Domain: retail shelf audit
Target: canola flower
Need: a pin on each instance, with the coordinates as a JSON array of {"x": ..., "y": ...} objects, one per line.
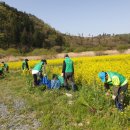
[{"x": 86, "y": 68}]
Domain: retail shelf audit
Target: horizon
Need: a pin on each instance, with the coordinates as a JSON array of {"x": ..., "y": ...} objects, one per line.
[{"x": 79, "y": 18}]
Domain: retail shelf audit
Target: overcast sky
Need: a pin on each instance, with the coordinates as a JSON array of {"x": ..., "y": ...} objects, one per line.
[{"x": 80, "y": 16}]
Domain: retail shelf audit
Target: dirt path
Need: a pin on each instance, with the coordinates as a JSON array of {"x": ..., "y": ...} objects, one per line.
[
  {"x": 15, "y": 113},
  {"x": 13, "y": 119},
  {"x": 61, "y": 55}
]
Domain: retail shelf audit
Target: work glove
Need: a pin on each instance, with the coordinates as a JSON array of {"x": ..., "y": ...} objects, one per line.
[
  {"x": 113, "y": 97},
  {"x": 62, "y": 74}
]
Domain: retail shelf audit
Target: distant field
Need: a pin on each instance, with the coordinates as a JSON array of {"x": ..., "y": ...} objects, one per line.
[
  {"x": 24, "y": 107},
  {"x": 13, "y": 55}
]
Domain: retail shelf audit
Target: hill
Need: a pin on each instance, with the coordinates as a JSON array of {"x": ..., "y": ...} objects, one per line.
[
  {"x": 97, "y": 43},
  {"x": 25, "y": 33}
]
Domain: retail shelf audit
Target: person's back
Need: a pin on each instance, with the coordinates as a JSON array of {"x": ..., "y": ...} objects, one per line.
[
  {"x": 55, "y": 82},
  {"x": 68, "y": 72},
  {"x": 37, "y": 71},
  {"x": 69, "y": 65},
  {"x": 38, "y": 66},
  {"x": 5, "y": 66},
  {"x": 61, "y": 79},
  {"x": 116, "y": 79},
  {"x": 25, "y": 65}
]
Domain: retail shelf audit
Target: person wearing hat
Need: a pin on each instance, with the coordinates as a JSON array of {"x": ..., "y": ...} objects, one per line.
[
  {"x": 117, "y": 82},
  {"x": 68, "y": 72},
  {"x": 5, "y": 66},
  {"x": 25, "y": 66},
  {"x": 37, "y": 71}
]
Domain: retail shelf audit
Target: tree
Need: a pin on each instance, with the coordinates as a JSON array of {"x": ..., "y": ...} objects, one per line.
[{"x": 37, "y": 39}]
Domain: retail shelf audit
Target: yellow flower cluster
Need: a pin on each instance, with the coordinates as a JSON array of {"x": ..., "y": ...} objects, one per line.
[{"x": 87, "y": 68}]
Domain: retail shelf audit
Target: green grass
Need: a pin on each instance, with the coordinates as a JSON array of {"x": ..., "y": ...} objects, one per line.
[{"x": 87, "y": 109}]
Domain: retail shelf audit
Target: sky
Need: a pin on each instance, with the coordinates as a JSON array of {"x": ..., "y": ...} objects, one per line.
[{"x": 76, "y": 17}]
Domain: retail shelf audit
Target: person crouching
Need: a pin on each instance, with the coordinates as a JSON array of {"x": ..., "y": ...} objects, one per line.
[{"x": 37, "y": 71}]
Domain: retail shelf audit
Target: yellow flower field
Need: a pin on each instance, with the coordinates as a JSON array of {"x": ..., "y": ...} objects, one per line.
[{"x": 87, "y": 68}]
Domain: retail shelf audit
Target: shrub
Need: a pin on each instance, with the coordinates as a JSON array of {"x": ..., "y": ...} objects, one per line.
[
  {"x": 38, "y": 52},
  {"x": 12, "y": 51}
]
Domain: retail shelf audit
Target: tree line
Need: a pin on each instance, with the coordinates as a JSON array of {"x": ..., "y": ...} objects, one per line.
[{"x": 24, "y": 31}]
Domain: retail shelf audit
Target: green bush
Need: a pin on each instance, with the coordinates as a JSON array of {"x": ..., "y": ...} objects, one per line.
[
  {"x": 38, "y": 52},
  {"x": 122, "y": 47},
  {"x": 2, "y": 53},
  {"x": 80, "y": 49},
  {"x": 12, "y": 51}
]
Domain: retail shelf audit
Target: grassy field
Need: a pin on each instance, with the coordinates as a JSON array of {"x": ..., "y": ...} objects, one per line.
[{"x": 23, "y": 107}]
